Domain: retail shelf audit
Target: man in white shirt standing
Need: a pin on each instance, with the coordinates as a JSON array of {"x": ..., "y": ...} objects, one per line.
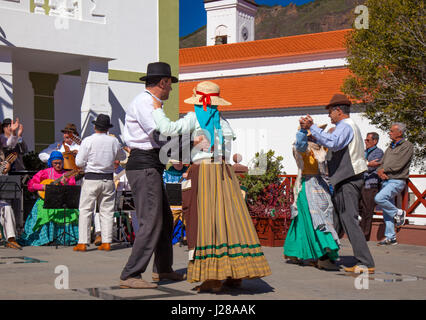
[
  {"x": 97, "y": 154},
  {"x": 144, "y": 172}
]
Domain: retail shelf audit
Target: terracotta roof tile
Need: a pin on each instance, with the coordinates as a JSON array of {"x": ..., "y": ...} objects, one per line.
[
  {"x": 287, "y": 90},
  {"x": 263, "y": 49}
]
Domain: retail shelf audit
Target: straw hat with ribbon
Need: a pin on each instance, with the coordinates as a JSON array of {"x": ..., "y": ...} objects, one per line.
[{"x": 207, "y": 93}]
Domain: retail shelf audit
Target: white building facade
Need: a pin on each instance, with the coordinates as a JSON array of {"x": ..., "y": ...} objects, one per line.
[
  {"x": 230, "y": 21},
  {"x": 65, "y": 61}
]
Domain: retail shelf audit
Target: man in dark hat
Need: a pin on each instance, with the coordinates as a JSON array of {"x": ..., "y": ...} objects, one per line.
[
  {"x": 68, "y": 142},
  {"x": 346, "y": 166},
  {"x": 144, "y": 172},
  {"x": 96, "y": 155}
]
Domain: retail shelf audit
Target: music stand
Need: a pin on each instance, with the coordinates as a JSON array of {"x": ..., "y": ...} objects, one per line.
[
  {"x": 62, "y": 197},
  {"x": 123, "y": 203}
]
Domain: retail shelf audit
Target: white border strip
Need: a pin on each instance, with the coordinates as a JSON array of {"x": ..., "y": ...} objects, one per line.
[{"x": 286, "y": 67}]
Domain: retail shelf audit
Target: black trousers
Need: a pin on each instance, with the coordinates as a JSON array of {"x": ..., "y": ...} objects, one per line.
[
  {"x": 366, "y": 210},
  {"x": 155, "y": 221},
  {"x": 346, "y": 199}
]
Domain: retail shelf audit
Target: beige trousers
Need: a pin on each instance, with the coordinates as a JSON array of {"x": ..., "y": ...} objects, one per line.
[{"x": 102, "y": 191}]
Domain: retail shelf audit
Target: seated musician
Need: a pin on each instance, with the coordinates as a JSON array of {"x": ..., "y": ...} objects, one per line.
[
  {"x": 7, "y": 216},
  {"x": 43, "y": 226},
  {"x": 68, "y": 144}
]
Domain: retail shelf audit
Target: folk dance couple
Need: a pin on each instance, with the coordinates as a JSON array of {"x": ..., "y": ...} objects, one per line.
[
  {"x": 224, "y": 247},
  {"x": 313, "y": 234}
]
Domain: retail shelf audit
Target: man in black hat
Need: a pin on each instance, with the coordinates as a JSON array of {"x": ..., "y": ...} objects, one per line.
[
  {"x": 144, "y": 172},
  {"x": 96, "y": 155},
  {"x": 346, "y": 167}
]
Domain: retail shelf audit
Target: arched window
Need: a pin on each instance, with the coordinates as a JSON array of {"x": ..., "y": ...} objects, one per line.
[{"x": 221, "y": 34}]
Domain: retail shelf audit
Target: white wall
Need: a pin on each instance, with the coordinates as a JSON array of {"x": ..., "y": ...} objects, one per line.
[
  {"x": 277, "y": 132},
  {"x": 68, "y": 97},
  {"x": 132, "y": 41},
  {"x": 121, "y": 95},
  {"x": 23, "y": 104}
]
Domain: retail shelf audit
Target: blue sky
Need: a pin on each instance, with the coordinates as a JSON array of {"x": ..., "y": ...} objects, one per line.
[{"x": 193, "y": 16}]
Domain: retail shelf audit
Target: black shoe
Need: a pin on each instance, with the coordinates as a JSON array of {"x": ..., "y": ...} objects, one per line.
[{"x": 387, "y": 242}]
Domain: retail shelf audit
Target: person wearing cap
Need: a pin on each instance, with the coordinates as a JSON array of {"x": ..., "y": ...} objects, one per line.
[
  {"x": 61, "y": 146},
  {"x": 346, "y": 166},
  {"x": 311, "y": 236},
  {"x": 222, "y": 241},
  {"x": 43, "y": 226},
  {"x": 96, "y": 155},
  {"x": 394, "y": 171},
  {"x": 11, "y": 141},
  {"x": 144, "y": 170}
]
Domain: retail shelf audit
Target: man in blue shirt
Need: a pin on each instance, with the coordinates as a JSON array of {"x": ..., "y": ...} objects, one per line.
[
  {"x": 373, "y": 155},
  {"x": 346, "y": 167}
]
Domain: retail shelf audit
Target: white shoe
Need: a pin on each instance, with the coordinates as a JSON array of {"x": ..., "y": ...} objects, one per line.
[{"x": 400, "y": 218}]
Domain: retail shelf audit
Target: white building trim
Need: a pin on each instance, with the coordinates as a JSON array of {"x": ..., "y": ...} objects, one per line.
[{"x": 279, "y": 68}]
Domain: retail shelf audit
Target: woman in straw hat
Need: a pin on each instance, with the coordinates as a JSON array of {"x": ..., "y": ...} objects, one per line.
[
  {"x": 222, "y": 240},
  {"x": 311, "y": 235}
]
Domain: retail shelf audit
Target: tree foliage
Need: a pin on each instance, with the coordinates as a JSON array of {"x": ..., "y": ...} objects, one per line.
[
  {"x": 387, "y": 63},
  {"x": 257, "y": 184}
]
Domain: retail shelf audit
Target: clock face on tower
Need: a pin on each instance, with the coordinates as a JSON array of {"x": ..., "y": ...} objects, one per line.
[{"x": 244, "y": 33}]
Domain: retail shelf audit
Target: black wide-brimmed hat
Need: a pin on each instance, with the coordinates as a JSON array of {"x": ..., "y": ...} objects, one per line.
[
  {"x": 103, "y": 122},
  {"x": 158, "y": 70}
]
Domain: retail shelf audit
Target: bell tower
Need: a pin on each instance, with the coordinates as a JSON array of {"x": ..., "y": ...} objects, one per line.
[{"x": 230, "y": 21}]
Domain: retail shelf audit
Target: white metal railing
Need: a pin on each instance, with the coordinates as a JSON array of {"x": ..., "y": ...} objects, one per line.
[{"x": 87, "y": 10}]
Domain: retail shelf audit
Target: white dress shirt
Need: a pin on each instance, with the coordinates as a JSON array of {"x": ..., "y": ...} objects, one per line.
[
  {"x": 139, "y": 124},
  {"x": 98, "y": 152},
  {"x": 58, "y": 146}
]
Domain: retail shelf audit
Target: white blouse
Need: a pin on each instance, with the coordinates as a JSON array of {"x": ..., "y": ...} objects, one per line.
[{"x": 190, "y": 125}]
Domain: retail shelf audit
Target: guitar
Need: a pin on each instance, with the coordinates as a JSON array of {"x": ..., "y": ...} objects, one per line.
[
  {"x": 75, "y": 139},
  {"x": 9, "y": 159},
  {"x": 69, "y": 156},
  {"x": 69, "y": 174}
]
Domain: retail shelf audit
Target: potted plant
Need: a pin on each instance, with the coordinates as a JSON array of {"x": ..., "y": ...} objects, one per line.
[{"x": 268, "y": 198}]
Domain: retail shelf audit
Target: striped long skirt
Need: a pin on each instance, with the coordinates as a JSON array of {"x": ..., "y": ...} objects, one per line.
[{"x": 227, "y": 243}]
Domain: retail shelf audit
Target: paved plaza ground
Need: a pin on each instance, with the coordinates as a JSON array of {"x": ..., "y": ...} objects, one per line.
[{"x": 41, "y": 272}]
